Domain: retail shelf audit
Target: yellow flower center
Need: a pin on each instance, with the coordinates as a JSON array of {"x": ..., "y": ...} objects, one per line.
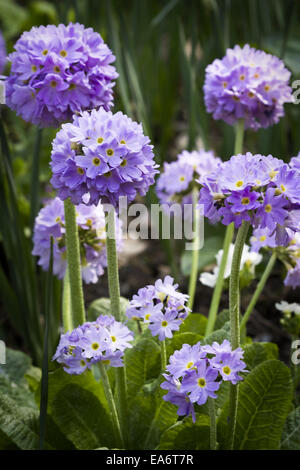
[
  {"x": 95, "y": 346},
  {"x": 147, "y": 316},
  {"x": 56, "y": 68},
  {"x": 189, "y": 365},
  {"x": 82, "y": 363},
  {"x": 273, "y": 173},
  {"x": 80, "y": 171},
  {"x": 114, "y": 339},
  {"x": 256, "y": 75},
  {"x": 124, "y": 162},
  {"x": 242, "y": 77},
  {"x": 109, "y": 152},
  {"x": 226, "y": 370},
  {"x": 225, "y": 84},
  {"x": 164, "y": 323},
  {"x": 45, "y": 52},
  {"x": 96, "y": 161},
  {"x": 100, "y": 140},
  {"x": 245, "y": 201},
  {"x": 268, "y": 208},
  {"x": 201, "y": 382},
  {"x": 58, "y": 219},
  {"x": 182, "y": 178},
  {"x": 267, "y": 87},
  {"x": 72, "y": 86},
  {"x": 122, "y": 142},
  {"x": 53, "y": 83},
  {"x": 106, "y": 362},
  {"x": 262, "y": 238},
  {"x": 34, "y": 68},
  {"x": 283, "y": 188},
  {"x": 250, "y": 94},
  {"x": 63, "y": 53},
  {"x": 239, "y": 183}
]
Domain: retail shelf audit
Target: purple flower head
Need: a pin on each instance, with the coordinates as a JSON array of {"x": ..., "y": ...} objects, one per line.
[
  {"x": 176, "y": 181},
  {"x": 92, "y": 159},
  {"x": 247, "y": 84},
  {"x": 259, "y": 189},
  {"x": 104, "y": 340},
  {"x": 229, "y": 365},
  {"x": 57, "y": 71},
  {"x": 161, "y": 306},
  {"x": 50, "y": 222}
]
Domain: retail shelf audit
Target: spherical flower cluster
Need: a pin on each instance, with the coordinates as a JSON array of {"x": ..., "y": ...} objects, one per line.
[
  {"x": 176, "y": 182},
  {"x": 249, "y": 260},
  {"x": 57, "y": 71},
  {"x": 102, "y": 340},
  {"x": 196, "y": 372},
  {"x": 101, "y": 155},
  {"x": 247, "y": 84},
  {"x": 262, "y": 190},
  {"x": 2, "y": 53},
  {"x": 160, "y": 306},
  {"x": 50, "y": 222}
]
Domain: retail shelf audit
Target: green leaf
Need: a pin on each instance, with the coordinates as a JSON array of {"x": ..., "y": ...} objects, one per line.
[
  {"x": 142, "y": 364},
  {"x": 59, "y": 379},
  {"x": 194, "y": 323},
  {"x": 222, "y": 318},
  {"x": 186, "y": 435},
  {"x": 264, "y": 403},
  {"x": 256, "y": 353},
  {"x": 180, "y": 339},
  {"x": 82, "y": 418},
  {"x": 150, "y": 416},
  {"x": 102, "y": 307},
  {"x": 291, "y": 432},
  {"x": 18, "y": 424},
  {"x": 218, "y": 335}
]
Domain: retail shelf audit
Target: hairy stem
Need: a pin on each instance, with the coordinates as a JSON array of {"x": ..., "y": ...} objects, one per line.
[
  {"x": 213, "y": 426},
  {"x": 195, "y": 252},
  {"x": 74, "y": 265},
  {"x": 234, "y": 311}
]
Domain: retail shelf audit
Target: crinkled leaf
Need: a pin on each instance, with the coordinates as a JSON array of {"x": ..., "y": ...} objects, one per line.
[
  {"x": 256, "y": 353},
  {"x": 291, "y": 432},
  {"x": 186, "y": 435},
  {"x": 102, "y": 307},
  {"x": 142, "y": 364},
  {"x": 82, "y": 418},
  {"x": 194, "y": 323}
]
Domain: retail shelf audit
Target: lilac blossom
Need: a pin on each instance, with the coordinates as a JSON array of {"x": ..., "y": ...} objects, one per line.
[
  {"x": 57, "y": 71},
  {"x": 195, "y": 373},
  {"x": 103, "y": 340},
  {"x": 162, "y": 307},
  {"x": 247, "y": 84},
  {"x": 101, "y": 156}
]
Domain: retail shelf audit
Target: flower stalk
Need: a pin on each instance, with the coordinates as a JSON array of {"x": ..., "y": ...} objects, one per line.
[
  {"x": 234, "y": 311},
  {"x": 213, "y": 425},
  {"x": 111, "y": 403},
  {"x": 114, "y": 294},
  {"x": 74, "y": 264}
]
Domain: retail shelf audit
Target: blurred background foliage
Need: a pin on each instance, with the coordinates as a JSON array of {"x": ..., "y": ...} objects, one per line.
[{"x": 162, "y": 48}]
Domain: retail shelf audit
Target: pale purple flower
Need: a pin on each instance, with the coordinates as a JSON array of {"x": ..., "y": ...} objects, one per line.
[
  {"x": 57, "y": 71},
  {"x": 247, "y": 84},
  {"x": 201, "y": 383}
]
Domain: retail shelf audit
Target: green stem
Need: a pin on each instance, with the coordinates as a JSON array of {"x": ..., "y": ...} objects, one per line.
[
  {"x": 114, "y": 294},
  {"x": 258, "y": 290},
  {"x": 239, "y": 136},
  {"x": 44, "y": 380},
  {"x": 215, "y": 302},
  {"x": 66, "y": 308},
  {"x": 213, "y": 426},
  {"x": 35, "y": 170},
  {"x": 111, "y": 403},
  {"x": 74, "y": 264},
  {"x": 163, "y": 352},
  {"x": 195, "y": 252},
  {"x": 234, "y": 311}
]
